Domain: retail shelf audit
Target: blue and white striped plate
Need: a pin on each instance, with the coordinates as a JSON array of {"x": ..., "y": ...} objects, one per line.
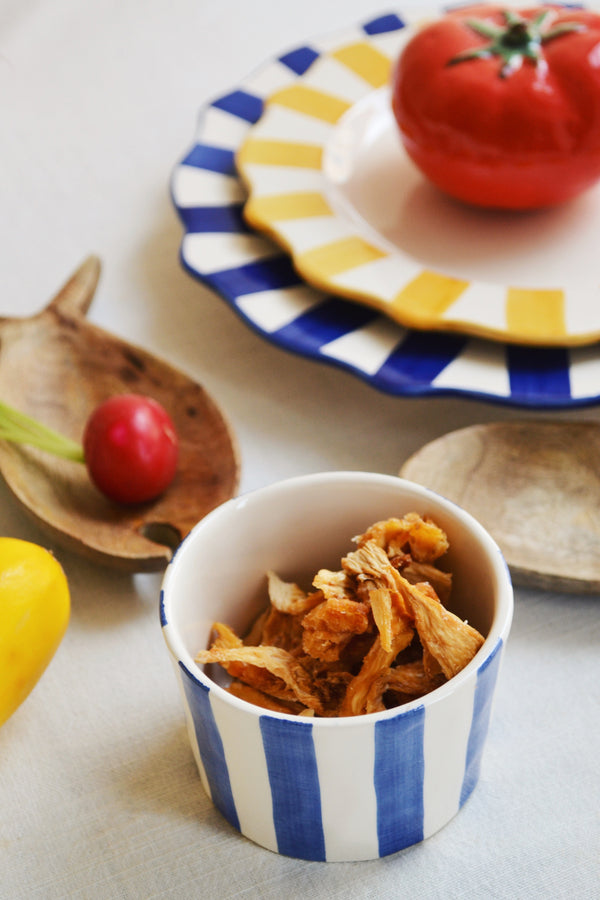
[{"x": 261, "y": 284}]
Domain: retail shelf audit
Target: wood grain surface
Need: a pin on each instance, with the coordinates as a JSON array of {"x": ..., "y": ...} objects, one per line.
[
  {"x": 56, "y": 366},
  {"x": 534, "y": 485}
]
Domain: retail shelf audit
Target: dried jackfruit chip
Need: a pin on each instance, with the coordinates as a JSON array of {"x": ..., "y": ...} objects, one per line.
[
  {"x": 416, "y": 573},
  {"x": 259, "y": 698},
  {"x": 375, "y": 663},
  {"x": 451, "y": 642},
  {"x": 389, "y": 619},
  {"x": 371, "y": 562},
  {"x": 288, "y": 597},
  {"x": 282, "y": 630},
  {"x": 422, "y": 537},
  {"x": 330, "y": 626},
  {"x": 333, "y": 585},
  {"x": 410, "y": 681},
  {"x": 277, "y": 662}
]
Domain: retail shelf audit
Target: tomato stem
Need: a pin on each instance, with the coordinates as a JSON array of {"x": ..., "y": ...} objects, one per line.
[
  {"x": 19, "y": 428},
  {"x": 516, "y": 41}
]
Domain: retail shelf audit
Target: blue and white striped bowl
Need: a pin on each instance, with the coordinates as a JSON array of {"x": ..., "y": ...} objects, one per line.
[{"x": 330, "y": 789}]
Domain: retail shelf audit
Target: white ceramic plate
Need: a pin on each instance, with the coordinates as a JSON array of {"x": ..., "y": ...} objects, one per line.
[
  {"x": 329, "y": 180},
  {"x": 257, "y": 279}
]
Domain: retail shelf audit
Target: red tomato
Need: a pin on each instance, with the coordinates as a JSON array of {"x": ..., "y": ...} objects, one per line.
[
  {"x": 130, "y": 448},
  {"x": 502, "y": 109}
]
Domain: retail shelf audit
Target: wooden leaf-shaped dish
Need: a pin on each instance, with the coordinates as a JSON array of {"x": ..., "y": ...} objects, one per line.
[
  {"x": 535, "y": 486},
  {"x": 56, "y": 367}
]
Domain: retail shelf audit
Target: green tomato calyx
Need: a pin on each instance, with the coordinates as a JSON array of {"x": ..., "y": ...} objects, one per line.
[{"x": 518, "y": 40}]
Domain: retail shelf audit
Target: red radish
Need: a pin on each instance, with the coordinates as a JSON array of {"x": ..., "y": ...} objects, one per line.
[{"x": 130, "y": 446}]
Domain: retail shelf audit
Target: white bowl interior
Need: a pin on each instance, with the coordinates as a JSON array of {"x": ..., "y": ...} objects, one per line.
[{"x": 301, "y": 525}]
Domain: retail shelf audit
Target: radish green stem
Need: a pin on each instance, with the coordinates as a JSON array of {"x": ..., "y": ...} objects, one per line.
[{"x": 19, "y": 428}]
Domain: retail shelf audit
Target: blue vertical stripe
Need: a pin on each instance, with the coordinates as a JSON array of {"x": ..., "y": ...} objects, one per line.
[
  {"x": 383, "y": 24},
  {"x": 214, "y": 159},
  {"x": 420, "y": 358},
  {"x": 162, "y": 613},
  {"x": 294, "y": 780},
  {"x": 539, "y": 372},
  {"x": 300, "y": 60},
  {"x": 210, "y": 746},
  {"x": 263, "y": 275},
  {"x": 331, "y": 319},
  {"x": 214, "y": 219},
  {"x": 242, "y": 105},
  {"x": 482, "y": 704},
  {"x": 399, "y": 775}
]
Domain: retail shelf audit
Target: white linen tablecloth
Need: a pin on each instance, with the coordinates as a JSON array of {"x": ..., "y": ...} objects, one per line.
[{"x": 99, "y": 794}]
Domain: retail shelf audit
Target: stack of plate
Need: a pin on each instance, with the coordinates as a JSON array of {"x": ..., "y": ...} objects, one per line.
[{"x": 302, "y": 211}]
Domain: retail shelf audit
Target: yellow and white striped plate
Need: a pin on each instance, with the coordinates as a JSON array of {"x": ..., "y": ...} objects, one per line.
[{"x": 328, "y": 180}]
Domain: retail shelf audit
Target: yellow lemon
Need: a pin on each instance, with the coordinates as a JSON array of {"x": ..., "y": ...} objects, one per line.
[{"x": 34, "y": 612}]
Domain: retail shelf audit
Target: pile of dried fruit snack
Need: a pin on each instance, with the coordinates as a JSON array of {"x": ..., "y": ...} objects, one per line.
[{"x": 371, "y": 636}]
